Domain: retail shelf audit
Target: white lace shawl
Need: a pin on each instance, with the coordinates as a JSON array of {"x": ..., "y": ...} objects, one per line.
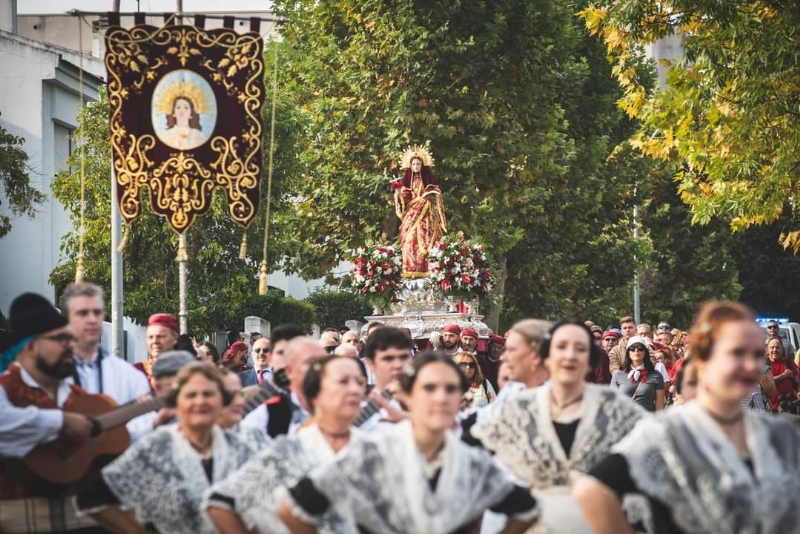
[
  {"x": 683, "y": 459},
  {"x": 523, "y": 437},
  {"x": 381, "y": 479},
  {"x": 162, "y": 478},
  {"x": 255, "y": 487}
]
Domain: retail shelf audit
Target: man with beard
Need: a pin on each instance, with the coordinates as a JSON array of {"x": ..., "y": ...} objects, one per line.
[
  {"x": 450, "y": 339},
  {"x": 97, "y": 371},
  {"x": 33, "y": 392}
]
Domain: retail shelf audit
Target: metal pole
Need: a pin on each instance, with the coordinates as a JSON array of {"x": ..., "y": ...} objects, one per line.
[
  {"x": 117, "y": 330},
  {"x": 637, "y": 315},
  {"x": 183, "y": 268},
  {"x": 116, "y": 6}
]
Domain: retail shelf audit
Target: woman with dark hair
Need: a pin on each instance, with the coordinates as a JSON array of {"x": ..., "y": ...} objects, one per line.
[
  {"x": 334, "y": 387},
  {"x": 418, "y": 204},
  {"x": 417, "y": 477},
  {"x": 549, "y": 434},
  {"x": 207, "y": 352},
  {"x": 160, "y": 479},
  {"x": 480, "y": 391},
  {"x": 710, "y": 465},
  {"x": 638, "y": 377}
]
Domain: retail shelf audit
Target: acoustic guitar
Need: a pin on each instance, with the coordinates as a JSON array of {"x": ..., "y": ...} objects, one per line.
[
  {"x": 60, "y": 462},
  {"x": 370, "y": 408}
]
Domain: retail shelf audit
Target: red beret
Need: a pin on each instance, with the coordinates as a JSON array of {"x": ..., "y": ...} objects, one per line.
[
  {"x": 235, "y": 348},
  {"x": 452, "y": 329},
  {"x": 164, "y": 319},
  {"x": 469, "y": 332},
  {"x": 500, "y": 340},
  {"x": 611, "y": 333}
]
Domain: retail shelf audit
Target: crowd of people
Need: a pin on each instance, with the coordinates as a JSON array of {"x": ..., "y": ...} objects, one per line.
[{"x": 564, "y": 427}]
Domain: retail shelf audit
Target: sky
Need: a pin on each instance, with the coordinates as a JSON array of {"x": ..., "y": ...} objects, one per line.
[{"x": 25, "y": 7}]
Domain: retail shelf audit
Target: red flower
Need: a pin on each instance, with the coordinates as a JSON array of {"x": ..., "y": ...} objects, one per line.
[
  {"x": 386, "y": 265},
  {"x": 443, "y": 246},
  {"x": 445, "y": 284},
  {"x": 466, "y": 279}
]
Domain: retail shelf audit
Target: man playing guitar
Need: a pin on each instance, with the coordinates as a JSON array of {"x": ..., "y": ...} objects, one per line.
[{"x": 33, "y": 392}]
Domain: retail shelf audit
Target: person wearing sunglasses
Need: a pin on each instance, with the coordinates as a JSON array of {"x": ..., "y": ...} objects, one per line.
[
  {"x": 262, "y": 368},
  {"x": 480, "y": 391},
  {"x": 638, "y": 377},
  {"x": 417, "y": 476}
]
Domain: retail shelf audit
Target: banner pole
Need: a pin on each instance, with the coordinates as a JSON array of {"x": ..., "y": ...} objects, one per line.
[{"x": 183, "y": 268}]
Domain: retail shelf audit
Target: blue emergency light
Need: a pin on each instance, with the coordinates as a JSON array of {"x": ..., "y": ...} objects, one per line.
[{"x": 779, "y": 320}]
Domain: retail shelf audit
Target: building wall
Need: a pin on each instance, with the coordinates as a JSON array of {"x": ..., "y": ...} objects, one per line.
[{"x": 39, "y": 95}]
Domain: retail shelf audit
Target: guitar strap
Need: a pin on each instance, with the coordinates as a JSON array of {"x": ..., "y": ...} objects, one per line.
[{"x": 77, "y": 379}]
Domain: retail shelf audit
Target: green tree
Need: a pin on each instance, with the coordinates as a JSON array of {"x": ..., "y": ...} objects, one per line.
[
  {"x": 22, "y": 198},
  {"x": 769, "y": 274},
  {"x": 729, "y": 116},
  {"x": 517, "y": 123},
  {"x": 688, "y": 264},
  {"x": 218, "y": 281}
]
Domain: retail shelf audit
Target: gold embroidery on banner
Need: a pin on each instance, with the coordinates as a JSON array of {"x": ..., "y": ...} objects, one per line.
[{"x": 181, "y": 187}]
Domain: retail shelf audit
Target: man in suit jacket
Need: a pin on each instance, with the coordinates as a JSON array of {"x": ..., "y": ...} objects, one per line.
[{"x": 262, "y": 369}]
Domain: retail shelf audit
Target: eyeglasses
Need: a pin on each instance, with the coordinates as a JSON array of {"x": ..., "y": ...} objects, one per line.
[
  {"x": 772, "y": 327},
  {"x": 467, "y": 365},
  {"x": 636, "y": 348},
  {"x": 63, "y": 339},
  {"x": 609, "y": 339},
  {"x": 262, "y": 350}
]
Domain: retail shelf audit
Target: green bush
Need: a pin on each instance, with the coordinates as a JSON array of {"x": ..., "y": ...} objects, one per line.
[
  {"x": 334, "y": 307},
  {"x": 277, "y": 309}
]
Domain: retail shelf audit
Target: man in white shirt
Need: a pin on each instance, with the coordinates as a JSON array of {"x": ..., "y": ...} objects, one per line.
[
  {"x": 96, "y": 371},
  {"x": 388, "y": 350}
]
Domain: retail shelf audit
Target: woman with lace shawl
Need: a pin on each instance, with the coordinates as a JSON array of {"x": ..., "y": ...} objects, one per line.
[
  {"x": 418, "y": 204},
  {"x": 710, "y": 465},
  {"x": 418, "y": 477},
  {"x": 549, "y": 435},
  {"x": 159, "y": 481},
  {"x": 334, "y": 388}
]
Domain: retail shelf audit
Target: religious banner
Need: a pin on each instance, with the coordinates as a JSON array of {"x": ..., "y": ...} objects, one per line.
[{"x": 185, "y": 118}]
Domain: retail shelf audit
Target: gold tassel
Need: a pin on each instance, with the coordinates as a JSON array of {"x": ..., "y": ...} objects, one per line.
[
  {"x": 79, "y": 270},
  {"x": 243, "y": 247},
  {"x": 124, "y": 241},
  {"x": 262, "y": 280}
]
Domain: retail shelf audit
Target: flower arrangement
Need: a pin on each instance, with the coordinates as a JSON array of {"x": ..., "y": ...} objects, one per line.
[
  {"x": 458, "y": 268},
  {"x": 377, "y": 273}
]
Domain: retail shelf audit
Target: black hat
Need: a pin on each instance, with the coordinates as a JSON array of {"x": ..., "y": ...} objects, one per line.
[{"x": 31, "y": 315}]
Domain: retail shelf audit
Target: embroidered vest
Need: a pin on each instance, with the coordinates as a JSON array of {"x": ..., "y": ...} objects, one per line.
[{"x": 15, "y": 481}]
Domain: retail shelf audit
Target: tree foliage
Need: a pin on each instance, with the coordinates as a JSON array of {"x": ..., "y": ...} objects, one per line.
[
  {"x": 729, "y": 115},
  {"x": 22, "y": 198},
  {"x": 518, "y": 105},
  {"x": 335, "y": 307}
]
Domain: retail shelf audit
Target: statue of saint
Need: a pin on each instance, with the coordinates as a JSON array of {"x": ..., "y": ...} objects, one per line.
[{"x": 418, "y": 204}]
